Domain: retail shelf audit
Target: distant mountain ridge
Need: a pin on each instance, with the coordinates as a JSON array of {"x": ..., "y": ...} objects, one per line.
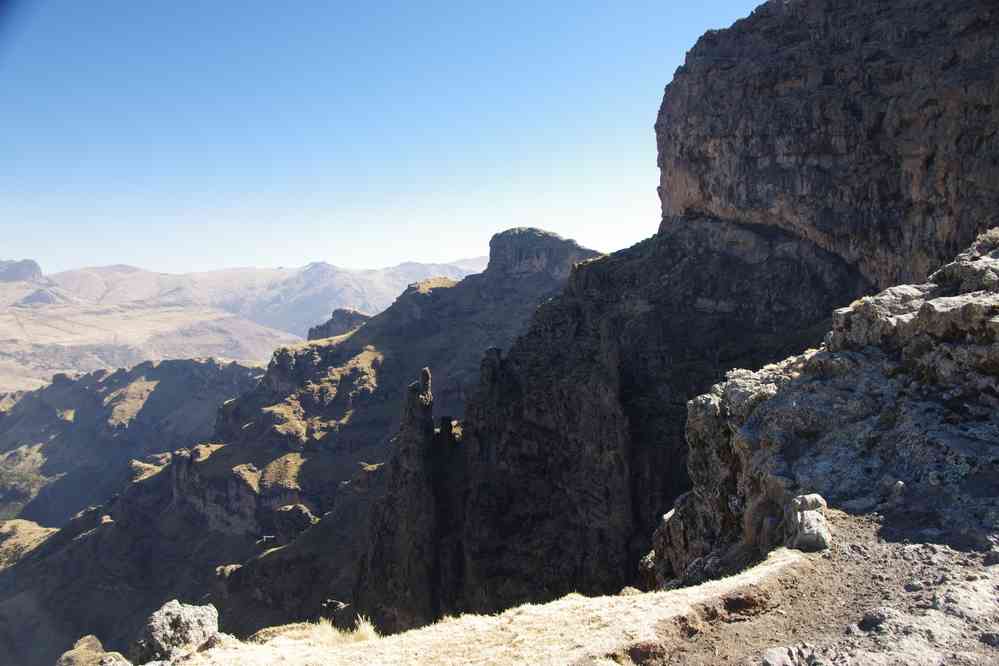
[
  {"x": 112, "y": 316},
  {"x": 288, "y": 299}
]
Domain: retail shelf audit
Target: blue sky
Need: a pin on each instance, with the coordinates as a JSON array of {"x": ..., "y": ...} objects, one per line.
[{"x": 197, "y": 135}]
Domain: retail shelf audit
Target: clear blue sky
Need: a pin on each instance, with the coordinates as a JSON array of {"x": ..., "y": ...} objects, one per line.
[{"x": 196, "y": 135}]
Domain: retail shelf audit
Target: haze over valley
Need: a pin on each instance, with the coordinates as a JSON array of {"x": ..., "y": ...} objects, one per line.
[{"x": 116, "y": 316}]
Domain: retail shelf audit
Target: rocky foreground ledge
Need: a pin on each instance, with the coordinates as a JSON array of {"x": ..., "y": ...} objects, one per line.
[{"x": 896, "y": 414}]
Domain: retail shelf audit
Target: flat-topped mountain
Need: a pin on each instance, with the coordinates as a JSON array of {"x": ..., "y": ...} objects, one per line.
[{"x": 343, "y": 320}]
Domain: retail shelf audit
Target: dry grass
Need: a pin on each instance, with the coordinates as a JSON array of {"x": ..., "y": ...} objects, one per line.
[
  {"x": 319, "y": 634},
  {"x": 18, "y": 537},
  {"x": 573, "y": 629}
]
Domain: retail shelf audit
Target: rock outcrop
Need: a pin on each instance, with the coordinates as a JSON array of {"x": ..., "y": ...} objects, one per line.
[
  {"x": 173, "y": 631},
  {"x": 343, "y": 320},
  {"x": 897, "y": 411},
  {"x": 866, "y": 127},
  {"x": 25, "y": 270},
  {"x": 335, "y": 403},
  {"x": 306, "y": 441},
  {"x": 779, "y": 206}
]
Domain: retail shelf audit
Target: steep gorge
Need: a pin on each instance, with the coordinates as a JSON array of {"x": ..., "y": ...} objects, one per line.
[
  {"x": 322, "y": 413},
  {"x": 573, "y": 445}
]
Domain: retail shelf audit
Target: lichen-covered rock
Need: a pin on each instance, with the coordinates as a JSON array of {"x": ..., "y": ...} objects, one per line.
[
  {"x": 898, "y": 410},
  {"x": 174, "y": 630}
]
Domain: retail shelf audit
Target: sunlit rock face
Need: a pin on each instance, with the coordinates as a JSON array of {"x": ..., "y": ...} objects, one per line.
[
  {"x": 814, "y": 152},
  {"x": 867, "y": 127}
]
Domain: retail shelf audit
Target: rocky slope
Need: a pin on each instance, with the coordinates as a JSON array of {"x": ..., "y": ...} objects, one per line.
[
  {"x": 343, "y": 320},
  {"x": 273, "y": 463},
  {"x": 573, "y": 445},
  {"x": 779, "y": 205},
  {"x": 70, "y": 445},
  {"x": 897, "y": 412}
]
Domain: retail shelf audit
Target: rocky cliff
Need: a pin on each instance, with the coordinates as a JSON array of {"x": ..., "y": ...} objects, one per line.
[
  {"x": 343, "y": 320},
  {"x": 779, "y": 205},
  {"x": 868, "y": 128},
  {"x": 304, "y": 442},
  {"x": 897, "y": 412}
]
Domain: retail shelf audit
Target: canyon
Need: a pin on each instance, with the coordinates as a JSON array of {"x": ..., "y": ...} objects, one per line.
[{"x": 792, "y": 384}]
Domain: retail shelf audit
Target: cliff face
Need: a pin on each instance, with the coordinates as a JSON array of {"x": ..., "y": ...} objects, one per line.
[
  {"x": 335, "y": 404},
  {"x": 779, "y": 205},
  {"x": 282, "y": 453},
  {"x": 866, "y": 127},
  {"x": 897, "y": 412}
]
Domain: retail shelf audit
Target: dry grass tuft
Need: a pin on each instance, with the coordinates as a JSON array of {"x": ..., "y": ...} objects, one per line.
[{"x": 319, "y": 634}]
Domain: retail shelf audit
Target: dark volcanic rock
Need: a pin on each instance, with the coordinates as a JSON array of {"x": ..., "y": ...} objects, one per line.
[
  {"x": 574, "y": 442},
  {"x": 282, "y": 453},
  {"x": 18, "y": 271},
  {"x": 860, "y": 150},
  {"x": 343, "y": 320},
  {"x": 866, "y": 126},
  {"x": 898, "y": 410}
]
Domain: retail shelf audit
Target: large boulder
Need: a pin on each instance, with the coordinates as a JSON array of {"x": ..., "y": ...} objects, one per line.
[{"x": 174, "y": 630}]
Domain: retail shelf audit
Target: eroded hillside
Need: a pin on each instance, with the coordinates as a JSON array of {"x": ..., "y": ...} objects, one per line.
[
  {"x": 69, "y": 445},
  {"x": 273, "y": 463},
  {"x": 573, "y": 445}
]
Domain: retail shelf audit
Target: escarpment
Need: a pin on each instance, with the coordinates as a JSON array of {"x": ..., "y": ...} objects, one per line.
[
  {"x": 867, "y": 127},
  {"x": 778, "y": 207},
  {"x": 304, "y": 441},
  {"x": 813, "y": 153},
  {"x": 897, "y": 411}
]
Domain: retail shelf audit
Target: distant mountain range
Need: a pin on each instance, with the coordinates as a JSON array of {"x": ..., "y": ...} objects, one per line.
[{"x": 112, "y": 316}]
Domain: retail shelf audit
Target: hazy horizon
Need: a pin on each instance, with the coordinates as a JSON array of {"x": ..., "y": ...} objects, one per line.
[
  {"x": 193, "y": 138},
  {"x": 452, "y": 262}
]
